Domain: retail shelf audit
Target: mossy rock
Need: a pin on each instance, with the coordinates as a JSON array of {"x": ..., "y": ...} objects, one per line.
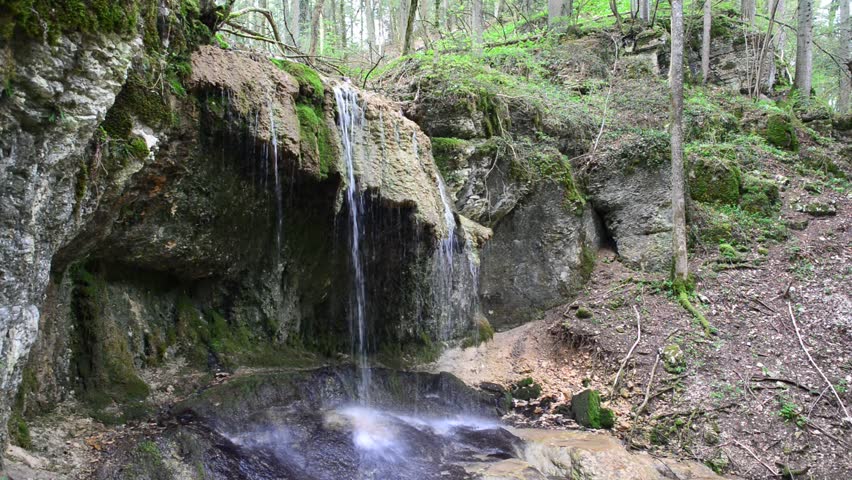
[
  {"x": 728, "y": 252},
  {"x": 446, "y": 151},
  {"x": 714, "y": 180},
  {"x": 712, "y": 226},
  {"x": 526, "y": 389},
  {"x": 587, "y": 410},
  {"x": 310, "y": 83},
  {"x": 316, "y": 137},
  {"x": 584, "y": 313},
  {"x": 19, "y": 432},
  {"x": 759, "y": 195},
  {"x": 819, "y": 209},
  {"x": 674, "y": 360},
  {"x": 781, "y": 132}
]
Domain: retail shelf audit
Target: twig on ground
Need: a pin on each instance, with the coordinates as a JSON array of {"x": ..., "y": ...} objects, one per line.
[
  {"x": 846, "y": 416},
  {"x": 751, "y": 452},
  {"x": 629, "y": 353},
  {"x": 816, "y": 402},
  {"x": 810, "y": 390},
  {"x": 648, "y": 389}
]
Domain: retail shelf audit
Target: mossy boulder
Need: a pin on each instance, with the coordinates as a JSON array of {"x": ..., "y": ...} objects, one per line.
[
  {"x": 447, "y": 151},
  {"x": 759, "y": 195},
  {"x": 674, "y": 360},
  {"x": 714, "y": 179},
  {"x": 781, "y": 132},
  {"x": 526, "y": 389},
  {"x": 587, "y": 410}
]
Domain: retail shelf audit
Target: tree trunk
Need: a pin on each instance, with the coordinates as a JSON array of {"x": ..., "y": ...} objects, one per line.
[
  {"x": 316, "y": 17},
  {"x": 295, "y": 21},
  {"x": 568, "y": 9},
  {"x": 409, "y": 26},
  {"x": 781, "y": 35},
  {"x": 681, "y": 268},
  {"x": 645, "y": 10},
  {"x": 805, "y": 48},
  {"x": 554, "y": 10},
  {"x": 749, "y": 9},
  {"x": 476, "y": 23},
  {"x": 845, "y": 36},
  {"x": 342, "y": 24},
  {"x": 705, "y": 41},
  {"x": 613, "y": 6},
  {"x": 371, "y": 26}
]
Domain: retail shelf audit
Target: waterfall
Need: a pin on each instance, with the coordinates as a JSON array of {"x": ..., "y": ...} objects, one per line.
[
  {"x": 278, "y": 194},
  {"x": 350, "y": 118}
]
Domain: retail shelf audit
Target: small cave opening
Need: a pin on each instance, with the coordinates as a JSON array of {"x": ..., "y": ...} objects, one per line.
[{"x": 606, "y": 241}]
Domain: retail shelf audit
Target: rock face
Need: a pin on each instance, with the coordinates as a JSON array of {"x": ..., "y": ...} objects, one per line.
[
  {"x": 61, "y": 93},
  {"x": 542, "y": 252},
  {"x": 204, "y": 223}
]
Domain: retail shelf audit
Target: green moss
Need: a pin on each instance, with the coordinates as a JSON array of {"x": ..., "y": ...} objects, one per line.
[
  {"x": 526, "y": 389},
  {"x": 587, "y": 410},
  {"x": 729, "y": 252},
  {"x": 781, "y": 132},
  {"x": 51, "y": 18},
  {"x": 484, "y": 332},
  {"x": 674, "y": 361},
  {"x": 310, "y": 83},
  {"x": 684, "y": 301},
  {"x": 759, "y": 195},
  {"x": 19, "y": 432},
  {"x": 714, "y": 180},
  {"x": 316, "y": 134},
  {"x": 100, "y": 353},
  {"x": 549, "y": 164},
  {"x": 445, "y": 151},
  {"x": 584, "y": 313}
]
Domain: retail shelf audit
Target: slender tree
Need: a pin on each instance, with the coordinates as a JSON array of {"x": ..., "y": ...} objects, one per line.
[
  {"x": 804, "y": 48},
  {"x": 554, "y": 10},
  {"x": 645, "y": 10},
  {"x": 844, "y": 32},
  {"x": 371, "y": 25},
  {"x": 780, "y": 37},
  {"x": 316, "y": 18},
  {"x": 409, "y": 27},
  {"x": 295, "y": 21},
  {"x": 705, "y": 41},
  {"x": 681, "y": 268},
  {"x": 749, "y": 10},
  {"x": 476, "y": 23}
]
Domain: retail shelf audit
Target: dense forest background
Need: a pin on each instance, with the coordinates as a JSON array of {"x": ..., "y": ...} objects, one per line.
[{"x": 361, "y": 38}]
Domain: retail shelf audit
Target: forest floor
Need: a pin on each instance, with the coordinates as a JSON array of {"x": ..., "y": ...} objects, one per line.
[{"x": 745, "y": 400}]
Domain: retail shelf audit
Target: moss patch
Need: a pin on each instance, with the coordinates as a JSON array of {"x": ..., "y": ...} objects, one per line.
[
  {"x": 100, "y": 353},
  {"x": 759, "y": 195},
  {"x": 526, "y": 389},
  {"x": 781, "y": 132},
  {"x": 316, "y": 136},
  {"x": 446, "y": 151},
  {"x": 714, "y": 180},
  {"x": 51, "y": 18},
  {"x": 310, "y": 84},
  {"x": 587, "y": 410}
]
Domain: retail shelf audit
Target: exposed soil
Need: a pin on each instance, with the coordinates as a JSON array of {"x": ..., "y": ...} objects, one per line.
[{"x": 747, "y": 398}]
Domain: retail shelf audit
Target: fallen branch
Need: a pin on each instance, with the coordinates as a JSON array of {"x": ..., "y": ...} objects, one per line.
[
  {"x": 629, "y": 353},
  {"x": 847, "y": 417},
  {"x": 647, "y": 389},
  {"x": 810, "y": 390},
  {"x": 771, "y": 470}
]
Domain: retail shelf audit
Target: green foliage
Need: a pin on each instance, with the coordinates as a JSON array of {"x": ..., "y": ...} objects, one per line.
[{"x": 790, "y": 412}]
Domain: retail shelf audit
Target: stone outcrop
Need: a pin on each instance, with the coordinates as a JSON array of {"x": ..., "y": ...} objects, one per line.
[{"x": 199, "y": 220}]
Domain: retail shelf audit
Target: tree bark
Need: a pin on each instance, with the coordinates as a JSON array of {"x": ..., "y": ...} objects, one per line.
[
  {"x": 613, "y": 6},
  {"x": 409, "y": 26},
  {"x": 476, "y": 23},
  {"x": 645, "y": 10},
  {"x": 781, "y": 35},
  {"x": 295, "y": 21},
  {"x": 705, "y": 41},
  {"x": 749, "y": 10},
  {"x": 681, "y": 268},
  {"x": 316, "y": 17},
  {"x": 554, "y": 10},
  {"x": 371, "y": 26},
  {"x": 845, "y": 36},
  {"x": 804, "y": 48}
]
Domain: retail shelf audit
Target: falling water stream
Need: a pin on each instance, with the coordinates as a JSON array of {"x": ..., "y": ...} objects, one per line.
[{"x": 350, "y": 121}]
